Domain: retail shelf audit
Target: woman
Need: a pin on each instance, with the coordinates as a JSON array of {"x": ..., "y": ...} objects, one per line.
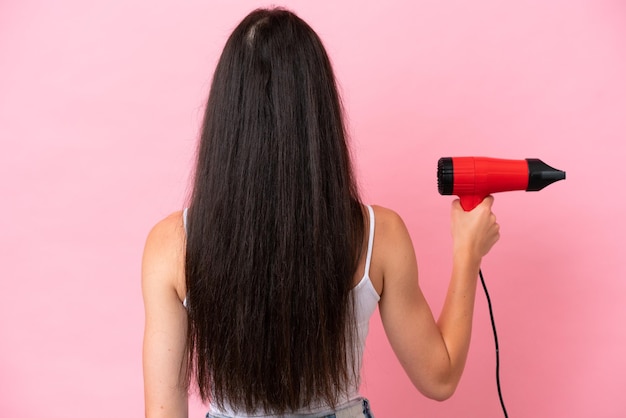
[{"x": 261, "y": 292}]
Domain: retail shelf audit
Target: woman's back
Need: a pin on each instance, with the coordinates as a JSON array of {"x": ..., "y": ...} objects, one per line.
[{"x": 365, "y": 298}]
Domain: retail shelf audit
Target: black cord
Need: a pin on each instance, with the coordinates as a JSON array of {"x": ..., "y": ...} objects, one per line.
[{"x": 495, "y": 337}]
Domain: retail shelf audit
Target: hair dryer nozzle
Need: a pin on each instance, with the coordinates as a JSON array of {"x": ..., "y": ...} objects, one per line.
[{"x": 541, "y": 175}]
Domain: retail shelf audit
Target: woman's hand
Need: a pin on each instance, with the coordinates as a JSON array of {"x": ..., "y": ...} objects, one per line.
[{"x": 476, "y": 231}]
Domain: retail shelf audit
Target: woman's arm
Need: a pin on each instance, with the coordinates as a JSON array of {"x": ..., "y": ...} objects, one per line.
[
  {"x": 164, "y": 354},
  {"x": 433, "y": 353}
]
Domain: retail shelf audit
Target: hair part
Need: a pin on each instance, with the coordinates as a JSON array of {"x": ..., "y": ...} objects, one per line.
[{"x": 275, "y": 226}]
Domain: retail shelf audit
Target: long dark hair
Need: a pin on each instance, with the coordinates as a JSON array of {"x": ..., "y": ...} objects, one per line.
[{"x": 275, "y": 225}]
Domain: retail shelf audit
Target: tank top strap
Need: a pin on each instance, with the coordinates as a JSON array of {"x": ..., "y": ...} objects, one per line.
[{"x": 370, "y": 241}]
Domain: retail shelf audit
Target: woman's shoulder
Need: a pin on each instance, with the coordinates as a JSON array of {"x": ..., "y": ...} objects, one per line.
[
  {"x": 387, "y": 221},
  {"x": 392, "y": 245},
  {"x": 164, "y": 252},
  {"x": 167, "y": 234},
  {"x": 170, "y": 225}
]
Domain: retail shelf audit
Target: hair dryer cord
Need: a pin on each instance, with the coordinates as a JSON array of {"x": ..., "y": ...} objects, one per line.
[{"x": 495, "y": 337}]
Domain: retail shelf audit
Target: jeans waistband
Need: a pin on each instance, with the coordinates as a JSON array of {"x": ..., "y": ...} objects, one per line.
[{"x": 358, "y": 408}]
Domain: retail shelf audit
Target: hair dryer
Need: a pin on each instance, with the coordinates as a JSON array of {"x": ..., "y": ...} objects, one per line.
[{"x": 474, "y": 178}]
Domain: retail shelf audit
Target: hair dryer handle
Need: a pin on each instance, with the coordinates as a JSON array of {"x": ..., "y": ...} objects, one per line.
[{"x": 470, "y": 201}]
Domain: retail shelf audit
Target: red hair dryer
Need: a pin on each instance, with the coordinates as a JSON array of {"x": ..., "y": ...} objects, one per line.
[{"x": 474, "y": 178}]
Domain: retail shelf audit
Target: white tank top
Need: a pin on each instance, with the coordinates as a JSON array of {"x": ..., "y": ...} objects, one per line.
[{"x": 365, "y": 299}]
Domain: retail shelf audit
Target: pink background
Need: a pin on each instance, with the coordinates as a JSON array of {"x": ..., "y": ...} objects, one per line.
[{"x": 100, "y": 105}]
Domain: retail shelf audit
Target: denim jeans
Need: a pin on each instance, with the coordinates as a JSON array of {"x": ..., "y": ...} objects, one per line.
[{"x": 359, "y": 408}]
